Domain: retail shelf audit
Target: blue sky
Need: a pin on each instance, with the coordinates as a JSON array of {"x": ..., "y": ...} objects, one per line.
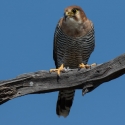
[{"x": 26, "y": 44}]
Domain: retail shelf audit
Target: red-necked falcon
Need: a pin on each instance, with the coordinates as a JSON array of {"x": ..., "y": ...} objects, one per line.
[{"x": 74, "y": 42}]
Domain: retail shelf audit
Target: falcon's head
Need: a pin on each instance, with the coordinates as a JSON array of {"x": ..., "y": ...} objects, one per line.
[
  {"x": 74, "y": 14},
  {"x": 75, "y": 23}
]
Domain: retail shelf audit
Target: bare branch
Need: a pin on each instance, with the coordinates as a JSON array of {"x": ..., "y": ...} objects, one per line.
[{"x": 43, "y": 81}]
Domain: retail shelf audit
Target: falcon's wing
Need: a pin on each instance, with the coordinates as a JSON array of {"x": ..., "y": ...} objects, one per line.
[
  {"x": 56, "y": 44},
  {"x": 55, "y": 52}
]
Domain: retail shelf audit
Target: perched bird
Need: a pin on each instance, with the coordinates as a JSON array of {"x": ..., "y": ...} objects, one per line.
[{"x": 73, "y": 44}]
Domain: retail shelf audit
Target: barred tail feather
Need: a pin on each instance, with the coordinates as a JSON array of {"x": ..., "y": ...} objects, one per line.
[{"x": 64, "y": 102}]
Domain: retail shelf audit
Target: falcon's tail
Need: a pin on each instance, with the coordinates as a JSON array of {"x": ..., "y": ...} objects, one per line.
[{"x": 64, "y": 102}]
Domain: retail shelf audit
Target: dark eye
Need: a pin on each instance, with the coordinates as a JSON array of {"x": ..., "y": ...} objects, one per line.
[{"x": 74, "y": 11}]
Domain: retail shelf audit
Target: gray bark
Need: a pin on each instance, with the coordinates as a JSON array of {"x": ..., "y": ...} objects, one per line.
[{"x": 43, "y": 81}]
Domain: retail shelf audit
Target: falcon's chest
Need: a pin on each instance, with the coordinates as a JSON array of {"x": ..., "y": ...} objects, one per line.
[
  {"x": 69, "y": 45},
  {"x": 73, "y": 28},
  {"x": 73, "y": 51},
  {"x": 74, "y": 46}
]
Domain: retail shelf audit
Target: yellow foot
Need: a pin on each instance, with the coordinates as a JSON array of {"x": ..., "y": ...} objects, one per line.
[
  {"x": 57, "y": 70},
  {"x": 94, "y": 64},
  {"x": 86, "y": 66}
]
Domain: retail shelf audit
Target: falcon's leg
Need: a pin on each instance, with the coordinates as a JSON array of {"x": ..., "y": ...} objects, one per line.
[
  {"x": 58, "y": 70},
  {"x": 86, "y": 66}
]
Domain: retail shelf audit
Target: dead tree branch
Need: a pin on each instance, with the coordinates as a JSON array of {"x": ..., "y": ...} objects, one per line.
[{"x": 43, "y": 81}]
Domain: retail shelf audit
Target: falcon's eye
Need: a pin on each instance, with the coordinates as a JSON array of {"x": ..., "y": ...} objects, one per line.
[{"x": 74, "y": 11}]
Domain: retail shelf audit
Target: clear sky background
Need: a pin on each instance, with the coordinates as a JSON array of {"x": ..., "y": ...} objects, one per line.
[{"x": 26, "y": 44}]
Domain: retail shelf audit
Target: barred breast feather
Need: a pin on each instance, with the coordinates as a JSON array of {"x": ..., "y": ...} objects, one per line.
[{"x": 71, "y": 52}]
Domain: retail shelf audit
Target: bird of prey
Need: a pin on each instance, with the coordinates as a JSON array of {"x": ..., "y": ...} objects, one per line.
[{"x": 74, "y": 42}]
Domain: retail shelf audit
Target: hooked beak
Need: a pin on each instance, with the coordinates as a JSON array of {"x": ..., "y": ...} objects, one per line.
[{"x": 68, "y": 14}]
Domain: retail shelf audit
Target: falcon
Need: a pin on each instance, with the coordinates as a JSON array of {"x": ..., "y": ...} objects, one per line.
[{"x": 74, "y": 42}]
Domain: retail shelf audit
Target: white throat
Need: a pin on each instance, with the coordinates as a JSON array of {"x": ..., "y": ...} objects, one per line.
[{"x": 73, "y": 24}]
